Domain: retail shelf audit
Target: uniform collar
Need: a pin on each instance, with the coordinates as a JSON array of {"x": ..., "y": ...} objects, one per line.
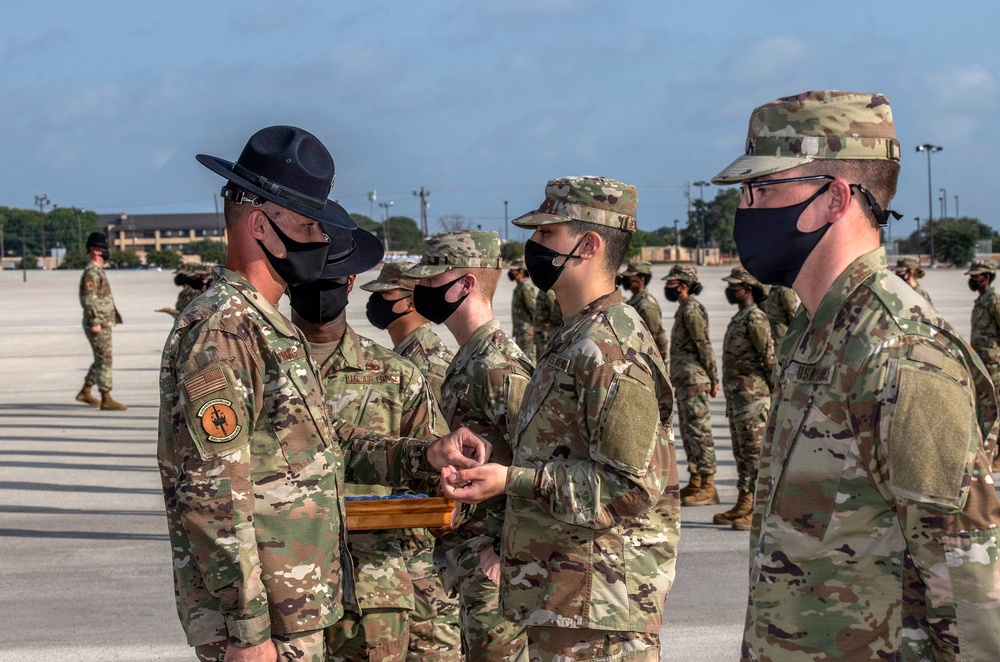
[
  {"x": 473, "y": 346},
  {"x": 347, "y": 355},
  {"x": 250, "y": 293}
]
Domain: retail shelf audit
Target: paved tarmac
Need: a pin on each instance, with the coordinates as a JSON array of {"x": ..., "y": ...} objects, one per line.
[{"x": 84, "y": 559}]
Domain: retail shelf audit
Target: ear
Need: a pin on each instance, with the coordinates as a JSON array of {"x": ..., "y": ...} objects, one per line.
[
  {"x": 591, "y": 245},
  {"x": 838, "y": 200},
  {"x": 350, "y": 283}
]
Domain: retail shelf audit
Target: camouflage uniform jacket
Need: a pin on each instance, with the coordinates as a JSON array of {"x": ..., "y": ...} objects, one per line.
[
  {"x": 876, "y": 527},
  {"x": 986, "y": 326},
  {"x": 692, "y": 360},
  {"x": 922, "y": 292},
  {"x": 95, "y": 298},
  {"x": 186, "y": 296},
  {"x": 522, "y": 311},
  {"x": 593, "y": 516},
  {"x": 747, "y": 363},
  {"x": 780, "y": 306},
  {"x": 426, "y": 349},
  {"x": 649, "y": 310},
  {"x": 370, "y": 387},
  {"x": 252, "y": 472},
  {"x": 548, "y": 319},
  {"x": 483, "y": 392}
]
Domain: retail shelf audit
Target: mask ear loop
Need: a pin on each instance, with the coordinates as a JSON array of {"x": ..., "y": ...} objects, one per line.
[
  {"x": 568, "y": 255},
  {"x": 881, "y": 216}
]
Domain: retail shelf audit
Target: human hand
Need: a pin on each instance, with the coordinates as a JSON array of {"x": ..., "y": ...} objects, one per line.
[
  {"x": 489, "y": 561},
  {"x": 262, "y": 652},
  {"x": 164, "y": 310},
  {"x": 96, "y": 328},
  {"x": 462, "y": 448},
  {"x": 715, "y": 390},
  {"x": 474, "y": 485}
]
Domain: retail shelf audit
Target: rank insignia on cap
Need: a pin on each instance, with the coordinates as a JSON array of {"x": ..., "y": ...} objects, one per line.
[{"x": 218, "y": 420}]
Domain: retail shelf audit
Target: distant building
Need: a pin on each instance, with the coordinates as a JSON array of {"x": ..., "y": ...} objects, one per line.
[{"x": 141, "y": 233}]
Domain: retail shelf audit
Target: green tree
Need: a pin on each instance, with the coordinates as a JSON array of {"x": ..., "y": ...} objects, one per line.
[
  {"x": 208, "y": 251},
  {"x": 124, "y": 260},
  {"x": 365, "y": 222},
  {"x": 164, "y": 259},
  {"x": 512, "y": 250},
  {"x": 404, "y": 234},
  {"x": 69, "y": 227},
  {"x": 75, "y": 260},
  {"x": 955, "y": 241},
  {"x": 719, "y": 214},
  {"x": 30, "y": 262}
]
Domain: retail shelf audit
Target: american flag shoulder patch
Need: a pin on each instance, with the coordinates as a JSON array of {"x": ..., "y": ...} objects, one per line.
[{"x": 206, "y": 380}]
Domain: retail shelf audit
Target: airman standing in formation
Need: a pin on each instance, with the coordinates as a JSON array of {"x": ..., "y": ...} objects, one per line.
[
  {"x": 592, "y": 523},
  {"x": 635, "y": 280},
  {"x": 390, "y": 307},
  {"x": 909, "y": 269},
  {"x": 876, "y": 524},
  {"x": 99, "y": 315},
  {"x": 780, "y": 306},
  {"x": 548, "y": 319},
  {"x": 693, "y": 375},
  {"x": 522, "y": 309},
  {"x": 747, "y": 363},
  {"x": 193, "y": 279},
  {"x": 986, "y": 323},
  {"x": 458, "y": 275}
]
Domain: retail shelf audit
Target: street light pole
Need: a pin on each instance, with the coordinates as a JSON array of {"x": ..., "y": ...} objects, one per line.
[
  {"x": 956, "y": 206},
  {"x": 385, "y": 224},
  {"x": 930, "y": 149},
  {"x": 677, "y": 244},
  {"x": 944, "y": 203},
  {"x": 506, "y": 236},
  {"x": 917, "y": 219},
  {"x": 701, "y": 209},
  {"x": 42, "y": 201}
]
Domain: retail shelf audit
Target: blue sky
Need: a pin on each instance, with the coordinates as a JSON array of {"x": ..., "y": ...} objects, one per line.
[{"x": 105, "y": 104}]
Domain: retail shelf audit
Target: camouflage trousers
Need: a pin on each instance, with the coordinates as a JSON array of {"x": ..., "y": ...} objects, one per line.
[
  {"x": 747, "y": 431},
  {"x": 696, "y": 427},
  {"x": 572, "y": 645},
  {"x": 380, "y": 635},
  {"x": 434, "y": 629},
  {"x": 310, "y": 646},
  {"x": 994, "y": 370},
  {"x": 486, "y": 634},
  {"x": 100, "y": 369},
  {"x": 525, "y": 339}
]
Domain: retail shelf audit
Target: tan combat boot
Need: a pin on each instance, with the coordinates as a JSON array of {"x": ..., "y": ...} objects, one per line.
[
  {"x": 744, "y": 506},
  {"x": 86, "y": 396},
  {"x": 109, "y": 404},
  {"x": 743, "y": 523},
  {"x": 706, "y": 495},
  {"x": 694, "y": 483}
]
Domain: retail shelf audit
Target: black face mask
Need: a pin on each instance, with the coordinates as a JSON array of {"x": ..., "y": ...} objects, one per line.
[
  {"x": 304, "y": 262},
  {"x": 105, "y": 255},
  {"x": 671, "y": 293},
  {"x": 540, "y": 262},
  {"x": 379, "y": 311},
  {"x": 731, "y": 297},
  {"x": 319, "y": 302},
  {"x": 510, "y": 274},
  {"x": 771, "y": 246},
  {"x": 974, "y": 284},
  {"x": 431, "y": 303}
]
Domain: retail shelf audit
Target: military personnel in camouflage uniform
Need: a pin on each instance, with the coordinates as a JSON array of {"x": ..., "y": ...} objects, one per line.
[
  {"x": 747, "y": 363},
  {"x": 635, "y": 278},
  {"x": 251, "y": 468},
  {"x": 193, "y": 279},
  {"x": 548, "y": 319},
  {"x": 909, "y": 269},
  {"x": 780, "y": 306},
  {"x": 434, "y": 622},
  {"x": 876, "y": 527},
  {"x": 693, "y": 375},
  {"x": 522, "y": 309},
  {"x": 593, "y": 520},
  {"x": 458, "y": 274},
  {"x": 99, "y": 315},
  {"x": 986, "y": 323}
]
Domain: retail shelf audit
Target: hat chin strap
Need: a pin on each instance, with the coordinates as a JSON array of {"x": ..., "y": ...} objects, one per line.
[{"x": 276, "y": 189}]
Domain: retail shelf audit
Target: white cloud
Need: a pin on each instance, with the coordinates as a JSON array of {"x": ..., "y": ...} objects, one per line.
[
  {"x": 771, "y": 58},
  {"x": 160, "y": 157},
  {"x": 96, "y": 103}
]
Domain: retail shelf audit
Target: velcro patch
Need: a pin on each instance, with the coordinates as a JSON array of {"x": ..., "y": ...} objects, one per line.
[
  {"x": 206, "y": 380},
  {"x": 219, "y": 421},
  {"x": 814, "y": 374},
  {"x": 628, "y": 427},
  {"x": 288, "y": 354}
]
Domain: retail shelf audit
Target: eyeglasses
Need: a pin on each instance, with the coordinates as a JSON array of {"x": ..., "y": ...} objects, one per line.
[{"x": 746, "y": 189}]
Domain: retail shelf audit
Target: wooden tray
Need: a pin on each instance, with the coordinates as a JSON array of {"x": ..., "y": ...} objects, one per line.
[{"x": 417, "y": 513}]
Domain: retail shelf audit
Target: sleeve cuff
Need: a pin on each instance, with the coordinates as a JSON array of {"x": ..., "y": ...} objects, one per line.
[
  {"x": 520, "y": 482},
  {"x": 249, "y": 631}
]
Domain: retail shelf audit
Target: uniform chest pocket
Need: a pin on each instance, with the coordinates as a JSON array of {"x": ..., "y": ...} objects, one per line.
[
  {"x": 296, "y": 414},
  {"x": 814, "y": 453}
]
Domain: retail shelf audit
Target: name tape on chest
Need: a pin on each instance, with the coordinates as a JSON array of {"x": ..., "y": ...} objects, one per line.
[
  {"x": 287, "y": 354},
  {"x": 373, "y": 379}
]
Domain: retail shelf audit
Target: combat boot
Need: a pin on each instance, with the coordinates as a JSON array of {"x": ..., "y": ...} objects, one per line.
[
  {"x": 743, "y": 507},
  {"x": 694, "y": 482},
  {"x": 109, "y": 404},
  {"x": 706, "y": 495},
  {"x": 743, "y": 523},
  {"x": 86, "y": 396}
]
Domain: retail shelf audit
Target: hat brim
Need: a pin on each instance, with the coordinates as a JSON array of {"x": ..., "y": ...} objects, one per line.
[
  {"x": 368, "y": 252},
  {"x": 419, "y": 271},
  {"x": 752, "y": 166},
  {"x": 376, "y": 286},
  {"x": 331, "y": 213},
  {"x": 535, "y": 218}
]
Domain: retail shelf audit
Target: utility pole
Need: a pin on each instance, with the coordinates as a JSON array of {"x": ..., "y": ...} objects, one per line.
[
  {"x": 42, "y": 201},
  {"x": 79, "y": 227},
  {"x": 701, "y": 210},
  {"x": 385, "y": 224},
  {"x": 506, "y": 237},
  {"x": 422, "y": 194},
  {"x": 677, "y": 244},
  {"x": 372, "y": 198},
  {"x": 956, "y": 206},
  {"x": 930, "y": 149}
]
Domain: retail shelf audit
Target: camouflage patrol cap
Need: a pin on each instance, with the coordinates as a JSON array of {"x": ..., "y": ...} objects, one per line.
[
  {"x": 391, "y": 277},
  {"x": 827, "y": 124},
  {"x": 447, "y": 250},
  {"x": 741, "y": 275},
  {"x": 977, "y": 268},
  {"x": 590, "y": 199},
  {"x": 904, "y": 263},
  {"x": 682, "y": 273},
  {"x": 638, "y": 267},
  {"x": 517, "y": 265}
]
